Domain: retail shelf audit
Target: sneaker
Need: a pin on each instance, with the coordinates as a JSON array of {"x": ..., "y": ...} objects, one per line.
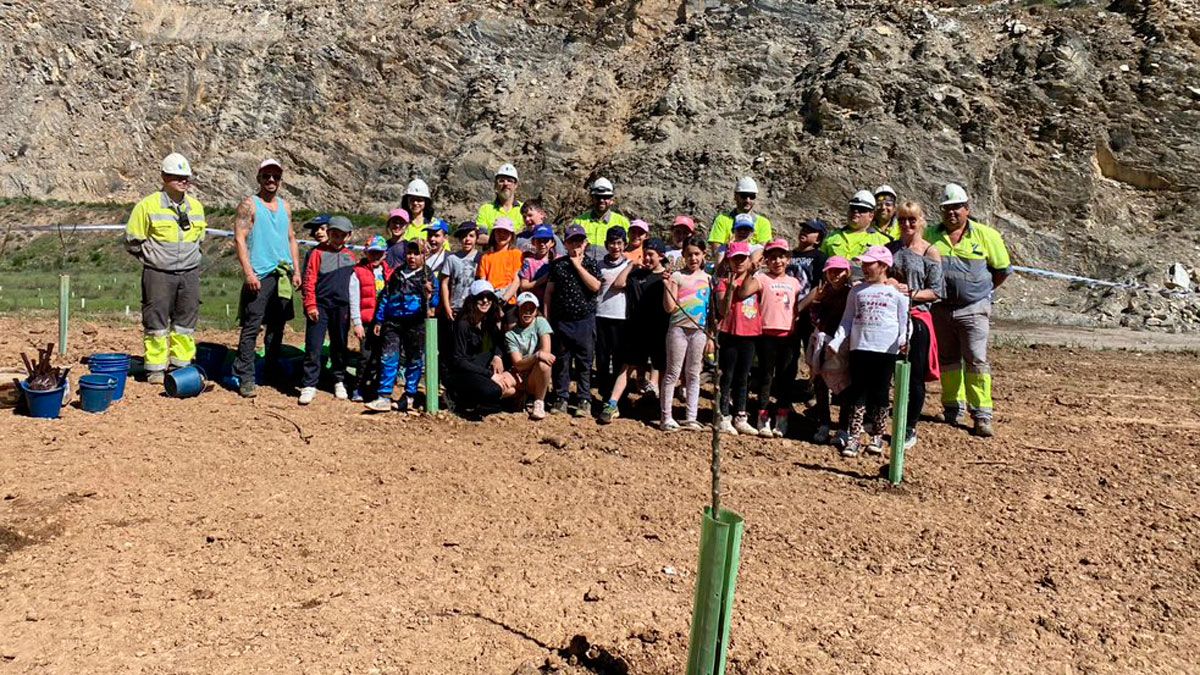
[
  {"x": 764, "y": 424},
  {"x": 952, "y": 416},
  {"x": 403, "y": 404},
  {"x": 247, "y": 389},
  {"x": 842, "y": 439},
  {"x": 379, "y": 405},
  {"x": 851, "y": 448},
  {"x": 156, "y": 377},
  {"x": 983, "y": 428},
  {"x": 356, "y": 396},
  {"x": 339, "y": 391},
  {"x": 822, "y": 435},
  {"x": 559, "y": 407},
  {"x": 307, "y": 394},
  {"x": 668, "y": 425},
  {"x": 692, "y": 425},
  {"x": 609, "y": 414},
  {"x": 875, "y": 445},
  {"x": 743, "y": 426},
  {"x": 910, "y": 439},
  {"x": 781, "y": 423},
  {"x": 539, "y": 411},
  {"x": 725, "y": 426},
  {"x": 581, "y": 410},
  {"x": 649, "y": 389}
]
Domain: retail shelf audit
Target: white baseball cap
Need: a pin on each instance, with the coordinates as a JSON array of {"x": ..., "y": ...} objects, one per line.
[
  {"x": 863, "y": 198},
  {"x": 602, "y": 186},
  {"x": 954, "y": 193},
  {"x": 176, "y": 165},
  {"x": 417, "y": 188},
  {"x": 747, "y": 185},
  {"x": 507, "y": 170},
  {"x": 479, "y": 287},
  {"x": 269, "y": 162},
  {"x": 528, "y": 297}
]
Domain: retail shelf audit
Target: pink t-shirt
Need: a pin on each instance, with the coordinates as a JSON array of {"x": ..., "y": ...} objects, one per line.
[
  {"x": 779, "y": 297},
  {"x": 744, "y": 318}
]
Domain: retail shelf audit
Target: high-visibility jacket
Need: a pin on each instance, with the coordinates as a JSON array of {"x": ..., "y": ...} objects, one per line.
[
  {"x": 722, "y": 229},
  {"x": 850, "y": 244},
  {"x": 597, "y": 228},
  {"x": 968, "y": 265},
  {"x": 489, "y": 212},
  {"x": 165, "y": 236}
]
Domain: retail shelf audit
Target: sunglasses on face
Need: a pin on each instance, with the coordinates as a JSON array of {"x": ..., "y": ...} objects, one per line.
[
  {"x": 860, "y": 209},
  {"x": 179, "y": 179},
  {"x": 269, "y": 178}
]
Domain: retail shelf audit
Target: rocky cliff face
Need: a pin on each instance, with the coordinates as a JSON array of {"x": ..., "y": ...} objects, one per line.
[{"x": 1075, "y": 124}]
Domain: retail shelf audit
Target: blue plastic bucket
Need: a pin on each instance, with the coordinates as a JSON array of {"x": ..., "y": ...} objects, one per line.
[
  {"x": 44, "y": 404},
  {"x": 117, "y": 372},
  {"x": 185, "y": 382},
  {"x": 211, "y": 357},
  {"x": 106, "y": 358},
  {"x": 96, "y": 392}
]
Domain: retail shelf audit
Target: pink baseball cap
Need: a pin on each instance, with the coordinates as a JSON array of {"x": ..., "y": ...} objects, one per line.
[
  {"x": 505, "y": 224},
  {"x": 687, "y": 222},
  {"x": 776, "y": 245},
  {"x": 836, "y": 262},
  {"x": 737, "y": 248},
  {"x": 401, "y": 214},
  {"x": 639, "y": 224},
  {"x": 877, "y": 254}
]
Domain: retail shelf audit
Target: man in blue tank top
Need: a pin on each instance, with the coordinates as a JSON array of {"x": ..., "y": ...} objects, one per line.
[{"x": 270, "y": 259}]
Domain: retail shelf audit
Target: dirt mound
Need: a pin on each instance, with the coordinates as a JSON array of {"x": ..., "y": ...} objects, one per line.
[{"x": 205, "y": 533}]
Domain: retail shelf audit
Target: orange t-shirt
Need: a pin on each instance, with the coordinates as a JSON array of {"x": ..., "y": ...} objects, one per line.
[{"x": 500, "y": 268}]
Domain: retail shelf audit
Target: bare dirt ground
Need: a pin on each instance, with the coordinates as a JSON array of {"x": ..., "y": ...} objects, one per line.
[{"x": 213, "y": 535}]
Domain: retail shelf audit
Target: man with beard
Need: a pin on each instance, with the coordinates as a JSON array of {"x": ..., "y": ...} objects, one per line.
[{"x": 505, "y": 205}]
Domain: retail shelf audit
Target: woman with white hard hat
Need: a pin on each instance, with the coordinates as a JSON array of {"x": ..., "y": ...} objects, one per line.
[{"x": 418, "y": 202}]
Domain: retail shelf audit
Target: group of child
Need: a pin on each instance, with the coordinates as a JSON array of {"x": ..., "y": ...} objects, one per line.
[{"x": 638, "y": 314}]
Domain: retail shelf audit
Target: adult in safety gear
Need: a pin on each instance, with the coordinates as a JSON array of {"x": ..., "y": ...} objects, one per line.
[
  {"x": 505, "y": 203},
  {"x": 745, "y": 197},
  {"x": 596, "y": 220},
  {"x": 858, "y": 235},
  {"x": 974, "y": 263},
  {"x": 164, "y": 233}
]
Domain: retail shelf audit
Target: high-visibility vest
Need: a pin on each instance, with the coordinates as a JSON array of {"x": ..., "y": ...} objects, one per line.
[{"x": 165, "y": 236}]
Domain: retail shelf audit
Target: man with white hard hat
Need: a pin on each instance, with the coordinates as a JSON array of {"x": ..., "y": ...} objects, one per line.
[
  {"x": 505, "y": 204},
  {"x": 270, "y": 260},
  {"x": 974, "y": 262},
  {"x": 164, "y": 233},
  {"x": 596, "y": 220},
  {"x": 885, "y": 212},
  {"x": 745, "y": 195},
  {"x": 859, "y": 234}
]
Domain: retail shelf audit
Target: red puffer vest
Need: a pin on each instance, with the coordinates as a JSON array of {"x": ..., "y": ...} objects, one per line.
[{"x": 366, "y": 284}]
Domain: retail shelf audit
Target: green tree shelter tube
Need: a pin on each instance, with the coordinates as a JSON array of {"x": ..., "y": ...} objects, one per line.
[
  {"x": 431, "y": 366},
  {"x": 899, "y": 423},
  {"x": 720, "y": 555}
]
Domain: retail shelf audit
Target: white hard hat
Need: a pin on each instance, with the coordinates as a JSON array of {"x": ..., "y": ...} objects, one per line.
[
  {"x": 269, "y": 162},
  {"x": 863, "y": 198},
  {"x": 507, "y": 170},
  {"x": 954, "y": 193},
  {"x": 885, "y": 190},
  {"x": 417, "y": 188},
  {"x": 747, "y": 185},
  {"x": 176, "y": 165},
  {"x": 602, "y": 186}
]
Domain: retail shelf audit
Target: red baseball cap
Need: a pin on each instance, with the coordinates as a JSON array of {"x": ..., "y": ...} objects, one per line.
[{"x": 687, "y": 222}]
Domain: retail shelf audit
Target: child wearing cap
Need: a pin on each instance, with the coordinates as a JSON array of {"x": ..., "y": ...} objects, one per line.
[
  {"x": 639, "y": 231},
  {"x": 535, "y": 263},
  {"x": 681, "y": 230},
  {"x": 571, "y": 291},
  {"x": 397, "y": 224},
  {"x": 874, "y": 327},
  {"x": 326, "y": 291},
  {"x": 530, "y": 352},
  {"x": 317, "y": 228},
  {"x": 825, "y": 305},
  {"x": 400, "y": 322},
  {"x": 739, "y": 310},
  {"x": 776, "y": 347},
  {"x": 610, "y": 313},
  {"x": 437, "y": 251},
  {"x": 500, "y": 265},
  {"x": 370, "y": 275},
  {"x": 686, "y": 297},
  {"x": 645, "y": 328},
  {"x": 743, "y": 231}
]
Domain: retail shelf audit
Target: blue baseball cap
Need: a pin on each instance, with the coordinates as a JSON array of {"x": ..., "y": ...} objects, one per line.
[
  {"x": 438, "y": 225},
  {"x": 543, "y": 232},
  {"x": 815, "y": 225},
  {"x": 574, "y": 231},
  {"x": 743, "y": 220},
  {"x": 318, "y": 221},
  {"x": 377, "y": 243}
]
